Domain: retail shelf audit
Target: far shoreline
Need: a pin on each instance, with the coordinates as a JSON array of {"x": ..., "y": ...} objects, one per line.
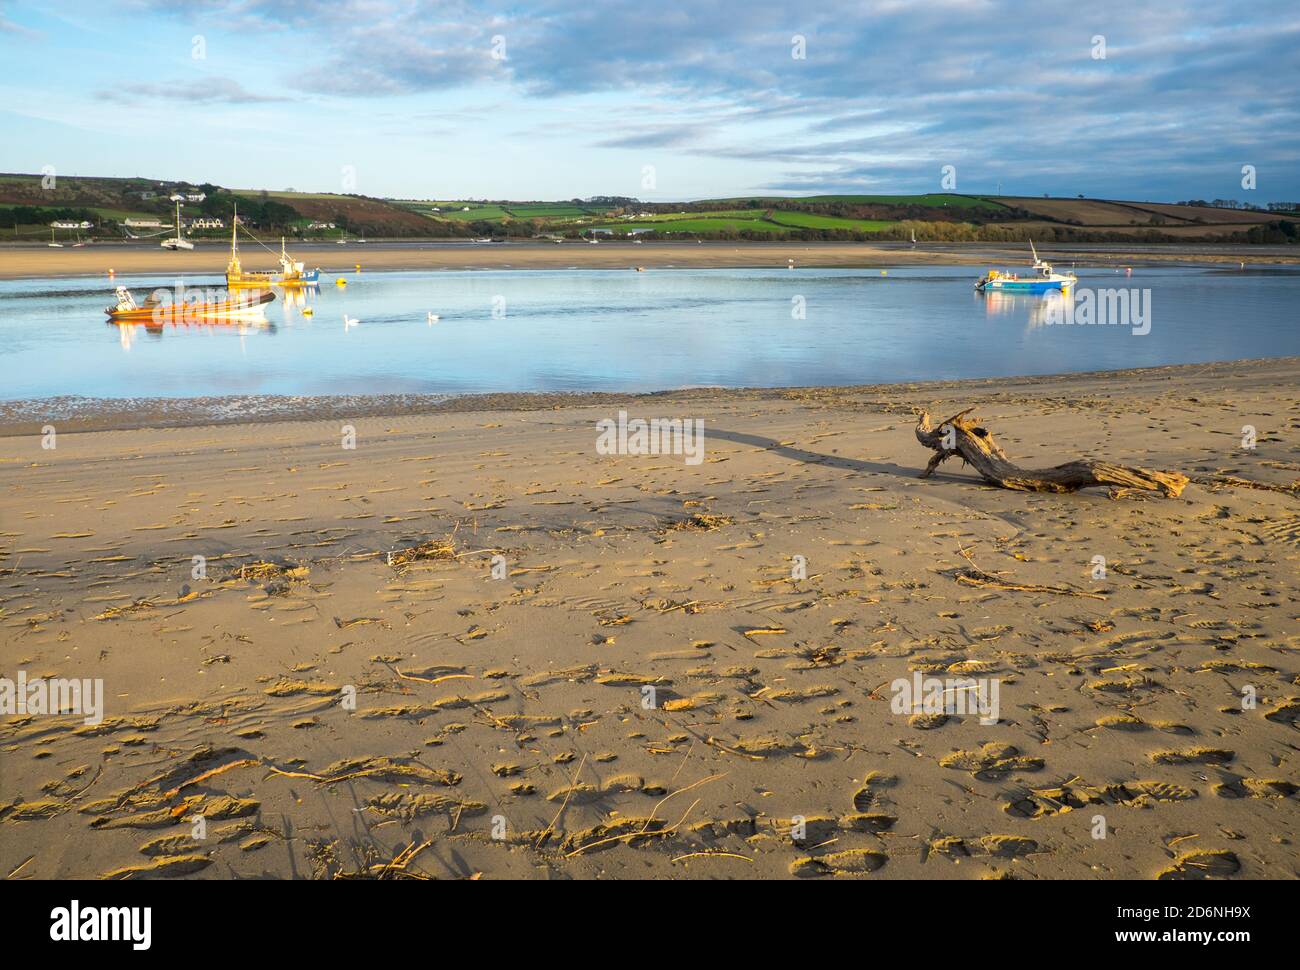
[{"x": 19, "y": 262}]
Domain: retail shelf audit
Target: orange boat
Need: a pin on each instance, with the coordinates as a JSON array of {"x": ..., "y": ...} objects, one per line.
[{"x": 155, "y": 312}]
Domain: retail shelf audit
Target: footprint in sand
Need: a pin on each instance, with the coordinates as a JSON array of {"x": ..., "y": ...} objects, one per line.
[
  {"x": 850, "y": 862},
  {"x": 1216, "y": 864}
]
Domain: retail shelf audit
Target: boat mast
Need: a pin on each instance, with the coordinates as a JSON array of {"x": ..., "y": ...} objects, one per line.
[{"x": 233, "y": 269}]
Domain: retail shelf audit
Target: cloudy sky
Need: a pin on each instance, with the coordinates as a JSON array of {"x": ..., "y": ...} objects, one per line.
[{"x": 660, "y": 99}]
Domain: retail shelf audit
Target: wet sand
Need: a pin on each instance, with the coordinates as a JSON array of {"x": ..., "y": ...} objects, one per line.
[
  {"x": 651, "y": 688},
  {"x": 211, "y": 257}
]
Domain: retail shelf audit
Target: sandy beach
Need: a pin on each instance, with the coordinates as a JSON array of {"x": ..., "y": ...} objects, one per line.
[
  {"x": 473, "y": 645},
  {"x": 211, "y": 257}
]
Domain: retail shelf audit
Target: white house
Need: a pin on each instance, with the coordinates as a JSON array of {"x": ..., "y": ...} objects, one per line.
[
  {"x": 142, "y": 223},
  {"x": 71, "y": 225},
  {"x": 206, "y": 223},
  {"x": 195, "y": 196}
]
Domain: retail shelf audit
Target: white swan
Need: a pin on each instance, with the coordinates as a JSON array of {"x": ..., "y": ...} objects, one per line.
[
  {"x": 349, "y": 322},
  {"x": 433, "y": 316}
]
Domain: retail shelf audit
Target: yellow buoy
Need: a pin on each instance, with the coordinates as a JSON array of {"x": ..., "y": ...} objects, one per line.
[
  {"x": 341, "y": 281},
  {"x": 307, "y": 311},
  {"x": 884, "y": 272}
]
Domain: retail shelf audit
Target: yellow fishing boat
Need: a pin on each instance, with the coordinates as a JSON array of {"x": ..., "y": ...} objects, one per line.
[{"x": 292, "y": 273}]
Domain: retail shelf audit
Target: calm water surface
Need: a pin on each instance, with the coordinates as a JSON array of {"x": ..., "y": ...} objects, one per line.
[{"x": 582, "y": 330}]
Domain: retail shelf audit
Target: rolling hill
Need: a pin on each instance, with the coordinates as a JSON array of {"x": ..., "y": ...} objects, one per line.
[{"x": 27, "y": 207}]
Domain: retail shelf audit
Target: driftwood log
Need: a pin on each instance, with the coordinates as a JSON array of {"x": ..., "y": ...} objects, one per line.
[{"x": 961, "y": 436}]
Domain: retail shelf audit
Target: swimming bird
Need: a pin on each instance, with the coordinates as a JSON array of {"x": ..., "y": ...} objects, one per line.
[
  {"x": 433, "y": 316},
  {"x": 349, "y": 322}
]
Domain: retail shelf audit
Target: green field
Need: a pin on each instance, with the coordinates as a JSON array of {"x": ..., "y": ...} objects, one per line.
[
  {"x": 806, "y": 220},
  {"x": 692, "y": 225},
  {"x": 476, "y": 213},
  {"x": 932, "y": 200},
  {"x": 547, "y": 210},
  {"x": 713, "y": 216},
  {"x": 254, "y": 193},
  {"x": 698, "y": 224},
  {"x": 737, "y": 220},
  {"x": 117, "y": 215}
]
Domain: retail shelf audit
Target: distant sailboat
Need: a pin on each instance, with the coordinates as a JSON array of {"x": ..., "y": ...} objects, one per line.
[
  {"x": 177, "y": 241},
  {"x": 52, "y": 244}
]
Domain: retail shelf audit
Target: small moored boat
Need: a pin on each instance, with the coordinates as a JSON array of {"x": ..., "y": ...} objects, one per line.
[
  {"x": 1044, "y": 280},
  {"x": 178, "y": 241},
  {"x": 292, "y": 273},
  {"x": 126, "y": 310}
]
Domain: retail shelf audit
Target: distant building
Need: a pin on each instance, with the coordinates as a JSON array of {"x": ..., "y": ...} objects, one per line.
[
  {"x": 71, "y": 225},
  {"x": 321, "y": 225},
  {"x": 176, "y": 197},
  {"x": 146, "y": 194},
  {"x": 142, "y": 223},
  {"x": 195, "y": 196},
  {"x": 205, "y": 223}
]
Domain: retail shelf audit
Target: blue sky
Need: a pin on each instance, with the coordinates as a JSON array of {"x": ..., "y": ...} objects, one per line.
[{"x": 563, "y": 99}]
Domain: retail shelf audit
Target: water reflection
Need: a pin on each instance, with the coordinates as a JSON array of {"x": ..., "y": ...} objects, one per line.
[
  {"x": 1038, "y": 309},
  {"x": 129, "y": 333}
]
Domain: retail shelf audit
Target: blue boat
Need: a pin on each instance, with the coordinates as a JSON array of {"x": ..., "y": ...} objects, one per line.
[{"x": 1044, "y": 280}]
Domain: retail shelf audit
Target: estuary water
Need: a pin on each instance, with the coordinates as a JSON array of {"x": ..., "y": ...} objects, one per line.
[{"x": 623, "y": 330}]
